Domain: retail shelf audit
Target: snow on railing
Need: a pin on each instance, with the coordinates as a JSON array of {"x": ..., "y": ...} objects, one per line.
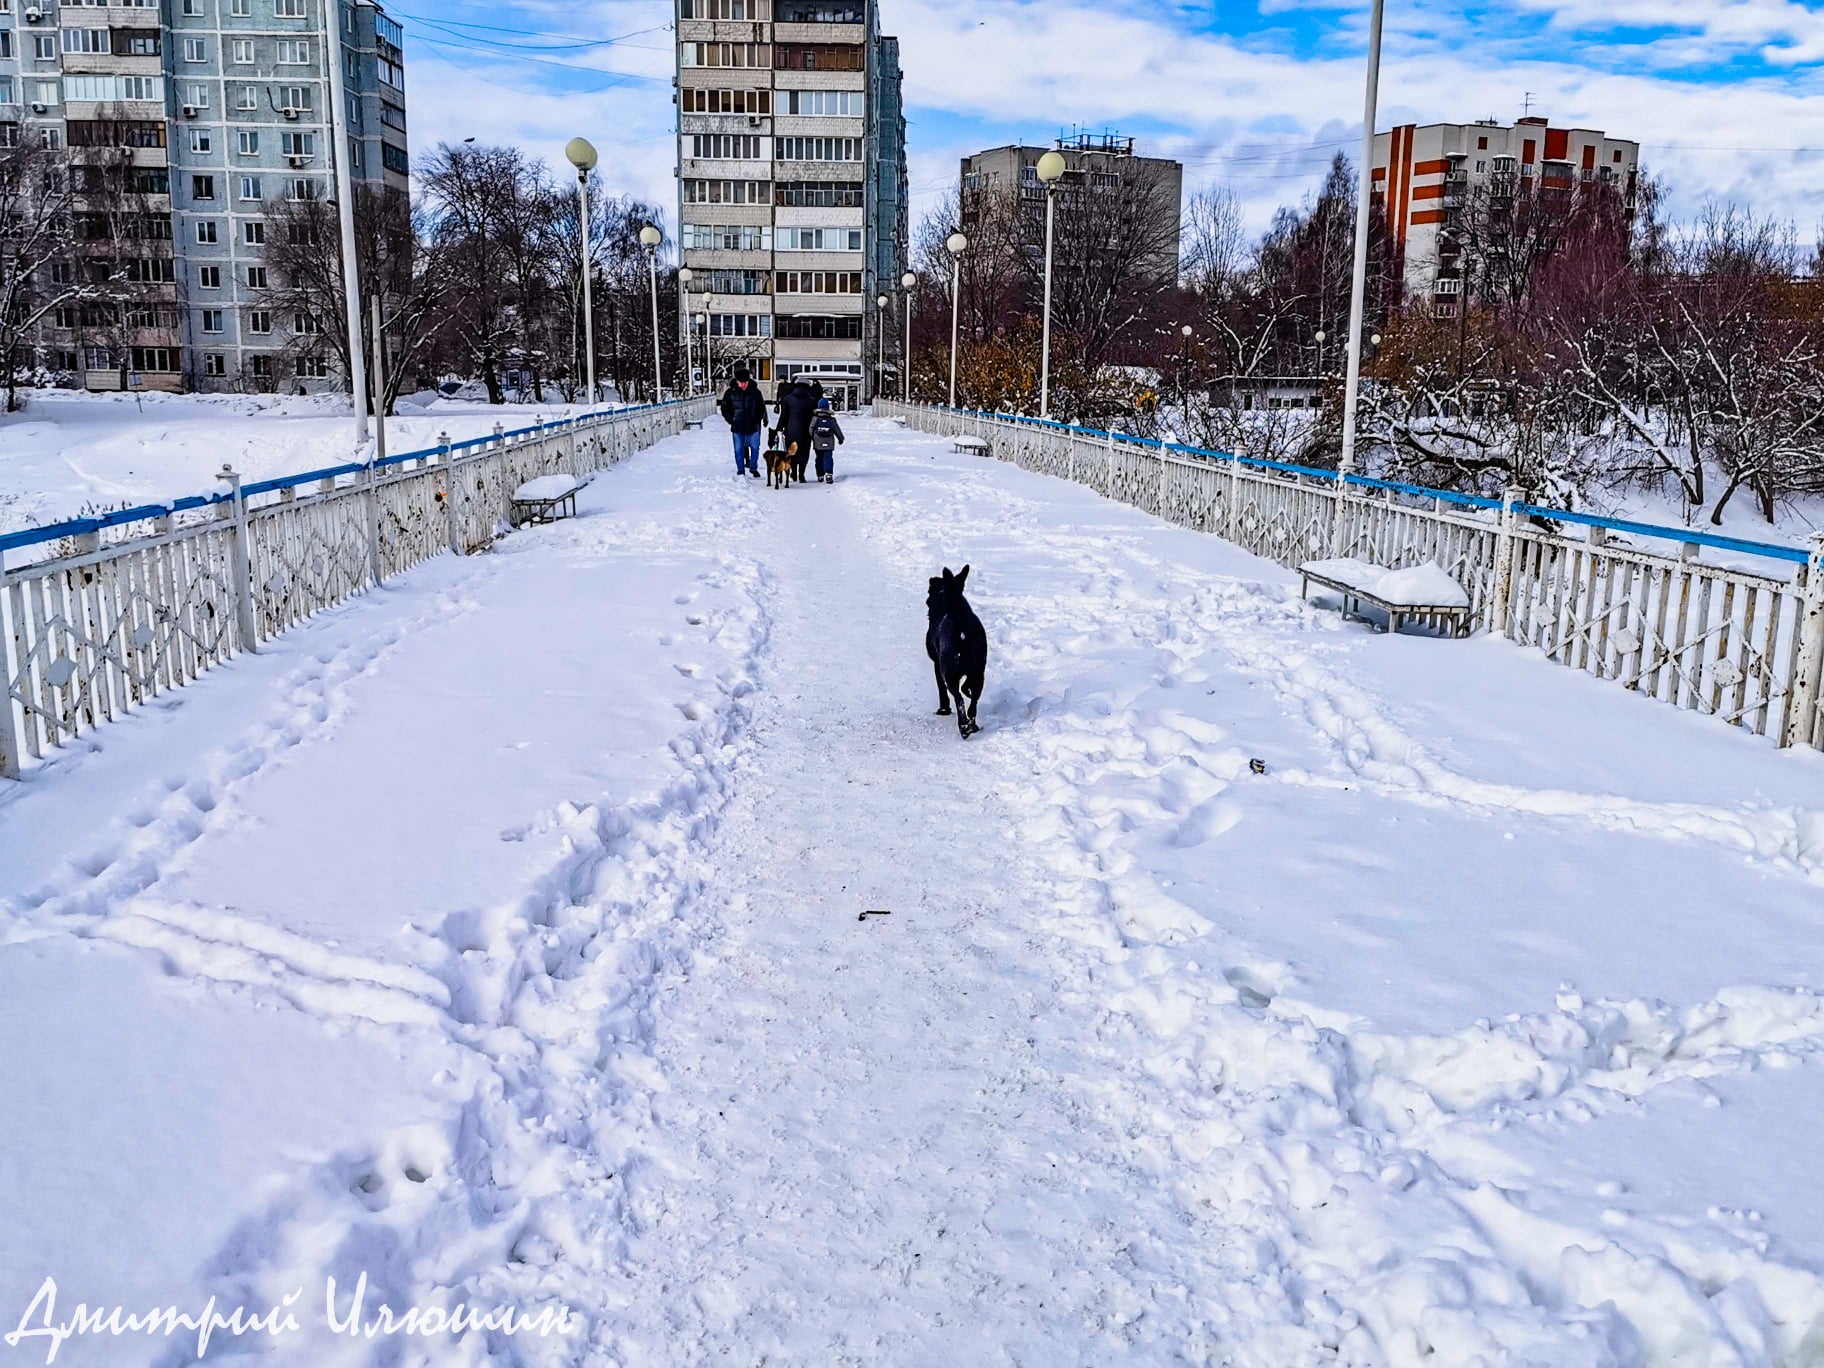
[
  {"x": 1736, "y": 643},
  {"x": 123, "y": 606}
]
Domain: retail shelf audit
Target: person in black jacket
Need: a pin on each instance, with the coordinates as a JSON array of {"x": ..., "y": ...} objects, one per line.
[
  {"x": 797, "y": 405},
  {"x": 744, "y": 409}
]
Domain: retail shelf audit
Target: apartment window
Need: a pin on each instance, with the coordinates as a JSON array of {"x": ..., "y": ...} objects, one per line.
[
  {"x": 260, "y": 320},
  {"x": 206, "y": 231},
  {"x": 736, "y": 283},
  {"x": 247, "y": 144},
  {"x": 215, "y": 364},
  {"x": 250, "y": 188},
  {"x": 247, "y": 99},
  {"x": 392, "y": 116},
  {"x": 391, "y": 73},
  {"x": 203, "y": 188},
  {"x": 212, "y": 320},
  {"x": 200, "y": 141},
  {"x": 1481, "y": 146},
  {"x": 240, "y": 52},
  {"x": 819, "y": 12},
  {"x": 86, "y": 40},
  {"x": 294, "y": 52},
  {"x": 196, "y": 93},
  {"x": 820, "y": 282},
  {"x": 313, "y": 368},
  {"x": 742, "y": 237},
  {"x": 697, "y": 100},
  {"x": 394, "y": 158},
  {"x": 304, "y": 188},
  {"x": 193, "y": 9},
  {"x": 256, "y": 277},
  {"x": 820, "y": 195},
  {"x": 300, "y": 145},
  {"x": 210, "y": 277},
  {"x": 46, "y": 92},
  {"x": 740, "y": 325},
  {"x": 818, "y": 329},
  {"x": 44, "y": 47},
  {"x": 260, "y": 367},
  {"x": 727, "y": 147},
  {"x": 97, "y": 358},
  {"x": 825, "y": 104},
  {"x": 6, "y": 42},
  {"x": 240, "y": 9},
  {"x": 727, "y": 55},
  {"x": 143, "y": 43},
  {"x": 726, "y": 192},
  {"x": 196, "y": 50},
  {"x": 294, "y": 97},
  {"x": 253, "y": 233},
  {"x": 289, "y": 9},
  {"x": 819, "y": 239},
  {"x": 759, "y": 10},
  {"x": 817, "y": 57},
  {"x": 820, "y": 149},
  {"x": 307, "y": 325}
]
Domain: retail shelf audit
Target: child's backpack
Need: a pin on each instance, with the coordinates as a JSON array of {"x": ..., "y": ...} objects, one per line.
[{"x": 823, "y": 433}]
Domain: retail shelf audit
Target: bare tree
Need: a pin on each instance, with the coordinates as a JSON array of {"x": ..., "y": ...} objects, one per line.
[{"x": 37, "y": 272}]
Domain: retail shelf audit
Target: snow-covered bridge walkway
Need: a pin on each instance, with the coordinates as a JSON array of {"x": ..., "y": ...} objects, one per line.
[{"x": 499, "y": 936}]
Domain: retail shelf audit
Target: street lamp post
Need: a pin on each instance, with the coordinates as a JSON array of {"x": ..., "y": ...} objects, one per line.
[
  {"x": 880, "y": 343},
  {"x": 709, "y": 359},
  {"x": 1358, "y": 289},
  {"x": 906, "y": 283},
  {"x": 342, "y": 154},
  {"x": 690, "y": 374},
  {"x": 650, "y": 238},
  {"x": 581, "y": 153},
  {"x": 1319, "y": 335},
  {"x": 1184, "y": 370},
  {"x": 957, "y": 244},
  {"x": 1050, "y": 170}
]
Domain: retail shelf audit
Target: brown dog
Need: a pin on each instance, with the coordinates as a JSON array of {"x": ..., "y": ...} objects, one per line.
[{"x": 778, "y": 467}]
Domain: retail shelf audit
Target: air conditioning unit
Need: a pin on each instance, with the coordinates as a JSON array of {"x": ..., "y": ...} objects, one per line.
[
  {"x": 37, "y": 107},
  {"x": 295, "y": 162},
  {"x": 289, "y": 113},
  {"x": 33, "y": 14},
  {"x": 753, "y": 121},
  {"x": 190, "y": 111}
]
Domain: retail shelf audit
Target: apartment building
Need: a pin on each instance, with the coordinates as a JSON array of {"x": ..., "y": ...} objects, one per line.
[
  {"x": 792, "y": 186},
  {"x": 1094, "y": 163},
  {"x": 185, "y": 121},
  {"x": 1428, "y": 177}
]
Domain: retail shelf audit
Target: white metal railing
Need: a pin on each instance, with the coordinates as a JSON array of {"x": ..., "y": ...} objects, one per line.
[
  {"x": 1741, "y": 645},
  {"x": 111, "y": 611}
]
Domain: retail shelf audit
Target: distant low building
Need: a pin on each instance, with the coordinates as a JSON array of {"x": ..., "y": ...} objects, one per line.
[
  {"x": 1428, "y": 176},
  {"x": 1092, "y": 162}
]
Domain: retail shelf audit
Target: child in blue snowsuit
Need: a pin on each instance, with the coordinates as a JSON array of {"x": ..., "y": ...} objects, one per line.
[{"x": 826, "y": 432}]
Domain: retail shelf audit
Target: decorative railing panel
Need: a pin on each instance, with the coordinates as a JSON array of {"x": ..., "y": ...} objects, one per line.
[{"x": 98, "y": 615}]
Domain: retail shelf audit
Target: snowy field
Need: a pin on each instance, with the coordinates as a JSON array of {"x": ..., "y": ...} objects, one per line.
[
  {"x": 499, "y": 937},
  {"x": 68, "y": 453}
]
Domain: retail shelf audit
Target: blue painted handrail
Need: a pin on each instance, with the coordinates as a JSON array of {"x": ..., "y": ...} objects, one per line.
[
  {"x": 1792, "y": 555},
  {"x": 78, "y": 527}
]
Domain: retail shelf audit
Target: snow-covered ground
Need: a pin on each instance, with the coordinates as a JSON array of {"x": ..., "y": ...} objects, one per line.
[
  {"x": 500, "y": 936},
  {"x": 69, "y": 452}
]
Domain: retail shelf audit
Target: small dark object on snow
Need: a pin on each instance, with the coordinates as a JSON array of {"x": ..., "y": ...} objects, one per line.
[
  {"x": 958, "y": 648},
  {"x": 1258, "y": 766},
  {"x": 874, "y": 912}
]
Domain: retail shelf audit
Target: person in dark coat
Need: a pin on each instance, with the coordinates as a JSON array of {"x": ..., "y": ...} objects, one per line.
[
  {"x": 744, "y": 409},
  {"x": 826, "y": 432},
  {"x": 797, "y": 406}
]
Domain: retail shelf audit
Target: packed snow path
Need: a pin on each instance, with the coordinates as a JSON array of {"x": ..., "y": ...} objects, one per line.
[{"x": 500, "y": 937}]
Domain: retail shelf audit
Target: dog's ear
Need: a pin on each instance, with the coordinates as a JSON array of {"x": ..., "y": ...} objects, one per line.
[
  {"x": 961, "y": 576},
  {"x": 947, "y": 575}
]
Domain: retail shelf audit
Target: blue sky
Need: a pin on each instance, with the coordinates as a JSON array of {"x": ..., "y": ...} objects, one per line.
[{"x": 1724, "y": 95}]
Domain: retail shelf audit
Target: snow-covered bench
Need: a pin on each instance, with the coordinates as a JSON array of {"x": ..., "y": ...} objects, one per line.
[
  {"x": 979, "y": 445},
  {"x": 1423, "y": 593},
  {"x": 545, "y": 499}
]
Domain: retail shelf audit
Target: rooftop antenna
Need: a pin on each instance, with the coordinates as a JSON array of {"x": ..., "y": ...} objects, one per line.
[{"x": 1526, "y": 107}]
